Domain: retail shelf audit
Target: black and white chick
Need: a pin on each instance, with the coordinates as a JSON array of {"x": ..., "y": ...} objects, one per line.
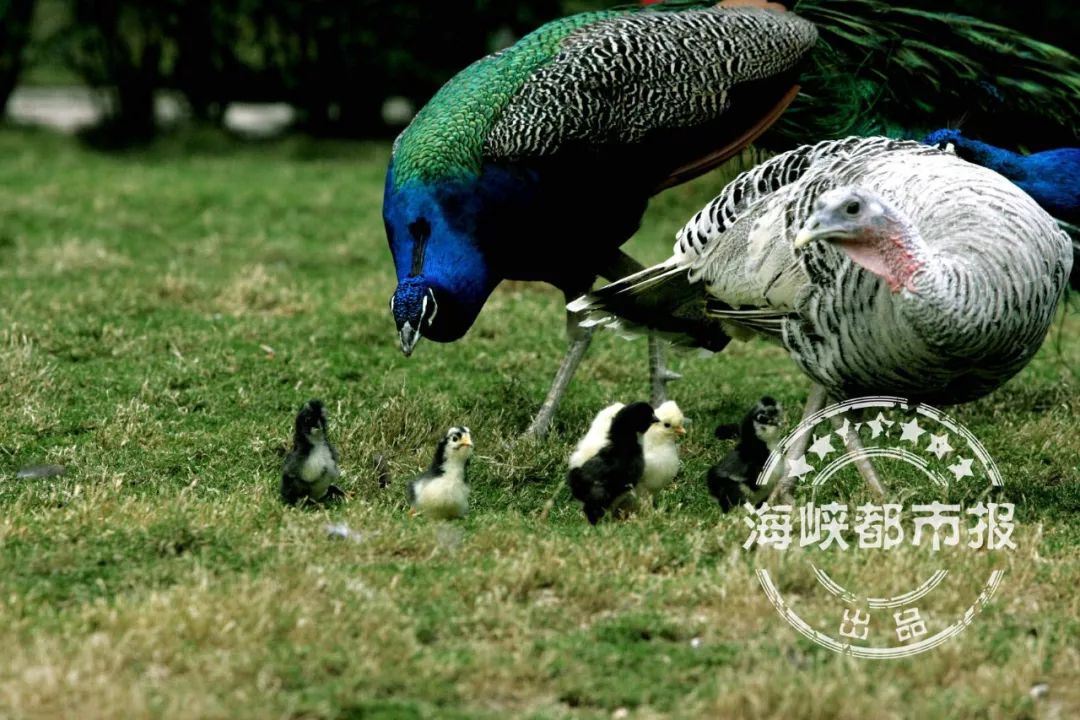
[
  {"x": 732, "y": 481},
  {"x": 312, "y": 465},
  {"x": 617, "y": 466},
  {"x": 441, "y": 491}
]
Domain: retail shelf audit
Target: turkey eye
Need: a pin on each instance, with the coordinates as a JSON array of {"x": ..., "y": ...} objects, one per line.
[{"x": 853, "y": 208}]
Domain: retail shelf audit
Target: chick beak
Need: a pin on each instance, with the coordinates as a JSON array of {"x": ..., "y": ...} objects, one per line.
[
  {"x": 679, "y": 430},
  {"x": 466, "y": 442},
  {"x": 409, "y": 338}
]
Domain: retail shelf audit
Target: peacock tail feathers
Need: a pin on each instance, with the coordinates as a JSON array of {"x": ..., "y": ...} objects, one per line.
[{"x": 879, "y": 69}]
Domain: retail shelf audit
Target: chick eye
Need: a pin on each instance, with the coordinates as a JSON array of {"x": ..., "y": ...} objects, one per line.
[
  {"x": 455, "y": 437},
  {"x": 667, "y": 424},
  {"x": 853, "y": 208}
]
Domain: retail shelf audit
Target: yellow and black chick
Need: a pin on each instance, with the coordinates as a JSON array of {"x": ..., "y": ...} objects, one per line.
[
  {"x": 617, "y": 466},
  {"x": 441, "y": 491},
  {"x": 731, "y": 481},
  {"x": 312, "y": 465}
]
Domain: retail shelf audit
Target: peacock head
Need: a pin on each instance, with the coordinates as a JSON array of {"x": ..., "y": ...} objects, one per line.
[
  {"x": 443, "y": 278},
  {"x": 974, "y": 151},
  {"x": 415, "y": 308},
  {"x": 871, "y": 232},
  {"x": 943, "y": 138}
]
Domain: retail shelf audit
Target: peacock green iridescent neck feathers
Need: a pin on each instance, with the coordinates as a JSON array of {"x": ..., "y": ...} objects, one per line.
[{"x": 446, "y": 138}]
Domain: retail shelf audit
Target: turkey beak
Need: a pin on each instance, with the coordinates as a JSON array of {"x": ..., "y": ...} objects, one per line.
[
  {"x": 409, "y": 338},
  {"x": 810, "y": 232},
  {"x": 816, "y": 226}
]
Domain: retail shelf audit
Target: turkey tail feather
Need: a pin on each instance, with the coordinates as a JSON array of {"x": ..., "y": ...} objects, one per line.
[{"x": 659, "y": 300}]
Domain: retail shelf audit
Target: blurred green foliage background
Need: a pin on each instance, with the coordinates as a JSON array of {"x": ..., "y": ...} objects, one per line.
[{"x": 335, "y": 61}]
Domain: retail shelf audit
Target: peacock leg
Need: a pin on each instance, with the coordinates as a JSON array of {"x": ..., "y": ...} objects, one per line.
[
  {"x": 579, "y": 339},
  {"x": 659, "y": 374},
  {"x": 815, "y": 402},
  {"x": 862, "y": 463}
]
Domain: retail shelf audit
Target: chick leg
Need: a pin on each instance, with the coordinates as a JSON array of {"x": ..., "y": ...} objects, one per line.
[
  {"x": 579, "y": 339},
  {"x": 659, "y": 374}
]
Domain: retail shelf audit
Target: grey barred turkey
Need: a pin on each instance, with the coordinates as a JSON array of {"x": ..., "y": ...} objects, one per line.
[{"x": 883, "y": 266}]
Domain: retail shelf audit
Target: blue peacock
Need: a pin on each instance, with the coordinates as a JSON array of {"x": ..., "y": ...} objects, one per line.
[{"x": 538, "y": 162}]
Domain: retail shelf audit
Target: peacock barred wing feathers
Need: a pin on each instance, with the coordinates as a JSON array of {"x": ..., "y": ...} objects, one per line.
[
  {"x": 593, "y": 79},
  {"x": 620, "y": 78}
]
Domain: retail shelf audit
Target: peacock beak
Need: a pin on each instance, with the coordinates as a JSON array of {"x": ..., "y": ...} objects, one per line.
[{"x": 409, "y": 338}]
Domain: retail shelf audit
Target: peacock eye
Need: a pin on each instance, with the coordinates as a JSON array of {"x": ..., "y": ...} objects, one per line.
[
  {"x": 425, "y": 306},
  {"x": 853, "y": 208}
]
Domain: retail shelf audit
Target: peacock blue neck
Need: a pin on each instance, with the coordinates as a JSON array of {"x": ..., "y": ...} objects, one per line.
[
  {"x": 1011, "y": 165},
  {"x": 1051, "y": 177}
]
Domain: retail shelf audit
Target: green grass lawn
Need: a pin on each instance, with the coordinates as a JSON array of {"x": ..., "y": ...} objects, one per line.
[{"x": 164, "y": 313}]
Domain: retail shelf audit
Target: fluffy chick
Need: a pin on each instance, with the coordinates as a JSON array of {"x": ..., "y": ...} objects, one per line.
[
  {"x": 731, "y": 481},
  {"x": 312, "y": 465},
  {"x": 617, "y": 466},
  {"x": 596, "y": 437},
  {"x": 441, "y": 491},
  {"x": 661, "y": 448}
]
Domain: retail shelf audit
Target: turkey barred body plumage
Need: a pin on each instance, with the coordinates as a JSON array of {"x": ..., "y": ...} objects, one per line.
[{"x": 988, "y": 267}]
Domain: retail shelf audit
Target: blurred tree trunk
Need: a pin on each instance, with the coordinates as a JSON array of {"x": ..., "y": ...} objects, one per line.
[
  {"x": 15, "y": 16},
  {"x": 118, "y": 46}
]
